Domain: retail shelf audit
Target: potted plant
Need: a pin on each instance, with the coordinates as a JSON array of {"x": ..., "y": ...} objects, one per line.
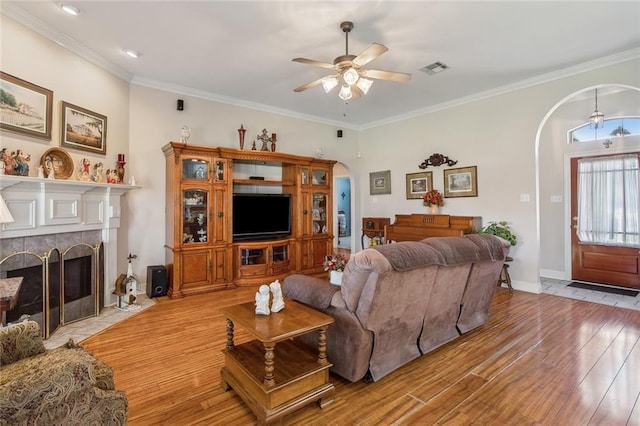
[
  {"x": 502, "y": 230},
  {"x": 335, "y": 264}
]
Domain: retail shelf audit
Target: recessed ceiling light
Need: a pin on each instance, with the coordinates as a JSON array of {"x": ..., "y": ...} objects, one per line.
[
  {"x": 132, "y": 53},
  {"x": 70, "y": 9}
]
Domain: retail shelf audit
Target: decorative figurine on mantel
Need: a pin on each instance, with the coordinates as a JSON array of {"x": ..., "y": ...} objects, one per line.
[
  {"x": 96, "y": 175},
  {"x": 262, "y": 300},
  {"x": 83, "y": 174},
  {"x": 17, "y": 163},
  {"x": 277, "y": 303},
  {"x": 51, "y": 171}
]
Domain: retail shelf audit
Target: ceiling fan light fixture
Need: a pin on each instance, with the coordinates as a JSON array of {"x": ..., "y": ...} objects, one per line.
[
  {"x": 364, "y": 84},
  {"x": 329, "y": 83},
  {"x": 345, "y": 93},
  {"x": 350, "y": 76}
]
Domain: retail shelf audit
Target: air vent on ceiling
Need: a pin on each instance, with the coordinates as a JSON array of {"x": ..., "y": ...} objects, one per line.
[{"x": 434, "y": 68}]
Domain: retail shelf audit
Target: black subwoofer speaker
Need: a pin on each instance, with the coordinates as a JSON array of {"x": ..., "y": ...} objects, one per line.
[{"x": 156, "y": 281}]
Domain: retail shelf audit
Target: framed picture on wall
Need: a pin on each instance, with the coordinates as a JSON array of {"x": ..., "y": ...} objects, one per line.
[
  {"x": 26, "y": 108},
  {"x": 462, "y": 182},
  {"x": 83, "y": 129},
  {"x": 418, "y": 184},
  {"x": 380, "y": 182}
]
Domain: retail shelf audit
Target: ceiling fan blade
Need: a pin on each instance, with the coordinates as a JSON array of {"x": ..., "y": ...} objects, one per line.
[
  {"x": 312, "y": 62},
  {"x": 309, "y": 85},
  {"x": 398, "y": 77},
  {"x": 369, "y": 54}
]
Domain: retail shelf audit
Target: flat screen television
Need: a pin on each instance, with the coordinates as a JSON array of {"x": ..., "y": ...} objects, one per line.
[{"x": 261, "y": 216}]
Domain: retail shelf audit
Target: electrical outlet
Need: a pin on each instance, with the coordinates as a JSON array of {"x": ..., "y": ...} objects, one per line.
[
  {"x": 556, "y": 198},
  {"x": 525, "y": 198}
]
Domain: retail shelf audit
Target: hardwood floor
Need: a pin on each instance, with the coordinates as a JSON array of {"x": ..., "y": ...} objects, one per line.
[{"x": 540, "y": 360}]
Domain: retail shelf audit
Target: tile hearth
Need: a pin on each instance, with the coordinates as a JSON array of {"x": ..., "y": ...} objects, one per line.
[{"x": 80, "y": 330}]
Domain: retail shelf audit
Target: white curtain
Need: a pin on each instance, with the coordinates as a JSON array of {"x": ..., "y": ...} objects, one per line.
[{"x": 608, "y": 200}]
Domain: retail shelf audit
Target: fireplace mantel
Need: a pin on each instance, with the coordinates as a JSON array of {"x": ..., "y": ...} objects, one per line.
[{"x": 42, "y": 206}]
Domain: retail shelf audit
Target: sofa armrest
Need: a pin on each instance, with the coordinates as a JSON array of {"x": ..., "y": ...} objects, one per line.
[
  {"x": 309, "y": 290},
  {"x": 18, "y": 341},
  {"x": 43, "y": 389}
]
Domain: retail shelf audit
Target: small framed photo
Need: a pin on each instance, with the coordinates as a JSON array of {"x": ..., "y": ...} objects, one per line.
[
  {"x": 462, "y": 182},
  {"x": 26, "y": 108},
  {"x": 418, "y": 184},
  {"x": 380, "y": 182},
  {"x": 83, "y": 129}
]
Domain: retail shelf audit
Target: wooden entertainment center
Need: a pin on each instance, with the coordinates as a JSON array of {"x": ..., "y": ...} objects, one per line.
[{"x": 201, "y": 255}]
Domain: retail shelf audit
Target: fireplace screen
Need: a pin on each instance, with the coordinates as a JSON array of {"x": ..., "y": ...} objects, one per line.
[{"x": 58, "y": 287}]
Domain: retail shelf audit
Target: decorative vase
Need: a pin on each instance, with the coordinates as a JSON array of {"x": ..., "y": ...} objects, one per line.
[
  {"x": 335, "y": 277},
  {"x": 241, "y": 132},
  {"x": 434, "y": 209}
]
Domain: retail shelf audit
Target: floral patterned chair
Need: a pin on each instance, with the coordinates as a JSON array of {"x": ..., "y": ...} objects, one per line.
[{"x": 66, "y": 385}]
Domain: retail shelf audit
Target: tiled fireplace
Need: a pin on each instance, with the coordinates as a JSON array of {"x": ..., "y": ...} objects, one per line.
[{"x": 64, "y": 244}]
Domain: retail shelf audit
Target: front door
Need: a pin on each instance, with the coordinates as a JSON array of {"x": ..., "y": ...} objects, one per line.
[{"x": 604, "y": 264}]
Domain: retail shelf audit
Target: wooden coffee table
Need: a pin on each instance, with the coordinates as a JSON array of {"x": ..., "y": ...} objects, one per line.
[{"x": 274, "y": 374}]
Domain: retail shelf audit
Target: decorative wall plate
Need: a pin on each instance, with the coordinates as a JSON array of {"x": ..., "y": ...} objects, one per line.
[{"x": 59, "y": 160}]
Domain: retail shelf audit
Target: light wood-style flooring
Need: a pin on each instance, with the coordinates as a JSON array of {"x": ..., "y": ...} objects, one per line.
[{"x": 540, "y": 360}]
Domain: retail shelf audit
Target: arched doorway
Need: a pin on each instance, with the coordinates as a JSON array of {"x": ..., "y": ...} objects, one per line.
[
  {"x": 552, "y": 167},
  {"x": 342, "y": 201}
]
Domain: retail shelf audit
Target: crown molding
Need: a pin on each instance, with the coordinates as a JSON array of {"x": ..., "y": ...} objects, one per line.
[
  {"x": 209, "y": 96},
  {"x": 19, "y": 15},
  {"x": 595, "y": 64}
]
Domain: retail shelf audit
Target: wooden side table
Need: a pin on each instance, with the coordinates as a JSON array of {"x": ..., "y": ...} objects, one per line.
[
  {"x": 273, "y": 374},
  {"x": 504, "y": 274},
  {"x": 9, "y": 289},
  {"x": 373, "y": 228}
]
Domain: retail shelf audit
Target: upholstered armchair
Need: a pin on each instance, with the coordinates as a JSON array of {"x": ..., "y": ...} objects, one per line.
[{"x": 66, "y": 385}]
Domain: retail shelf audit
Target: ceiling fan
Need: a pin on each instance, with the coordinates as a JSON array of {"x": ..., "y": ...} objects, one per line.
[{"x": 354, "y": 80}]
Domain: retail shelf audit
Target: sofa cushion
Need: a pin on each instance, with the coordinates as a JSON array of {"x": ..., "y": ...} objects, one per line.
[
  {"x": 410, "y": 255},
  {"x": 21, "y": 340}
]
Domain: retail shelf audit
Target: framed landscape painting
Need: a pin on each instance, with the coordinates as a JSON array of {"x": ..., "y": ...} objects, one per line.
[
  {"x": 24, "y": 107},
  {"x": 462, "y": 182},
  {"x": 418, "y": 184},
  {"x": 83, "y": 129},
  {"x": 380, "y": 182}
]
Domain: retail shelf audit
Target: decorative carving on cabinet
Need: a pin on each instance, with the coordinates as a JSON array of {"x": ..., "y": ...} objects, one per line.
[{"x": 437, "y": 160}]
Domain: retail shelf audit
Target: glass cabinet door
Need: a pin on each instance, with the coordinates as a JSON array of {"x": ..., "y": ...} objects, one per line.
[
  {"x": 253, "y": 256},
  {"x": 195, "y": 217},
  {"x": 319, "y": 177},
  {"x": 319, "y": 213},
  {"x": 304, "y": 176},
  {"x": 280, "y": 253},
  {"x": 195, "y": 168}
]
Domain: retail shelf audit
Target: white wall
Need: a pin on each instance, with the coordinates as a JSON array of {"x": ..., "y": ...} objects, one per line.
[{"x": 496, "y": 134}]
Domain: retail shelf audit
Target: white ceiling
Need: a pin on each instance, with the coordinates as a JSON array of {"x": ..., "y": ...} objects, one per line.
[{"x": 240, "y": 51}]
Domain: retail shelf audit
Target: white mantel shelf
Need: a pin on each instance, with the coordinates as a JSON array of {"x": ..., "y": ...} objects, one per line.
[
  {"x": 25, "y": 183},
  {"x": 51, "y": 206}
]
